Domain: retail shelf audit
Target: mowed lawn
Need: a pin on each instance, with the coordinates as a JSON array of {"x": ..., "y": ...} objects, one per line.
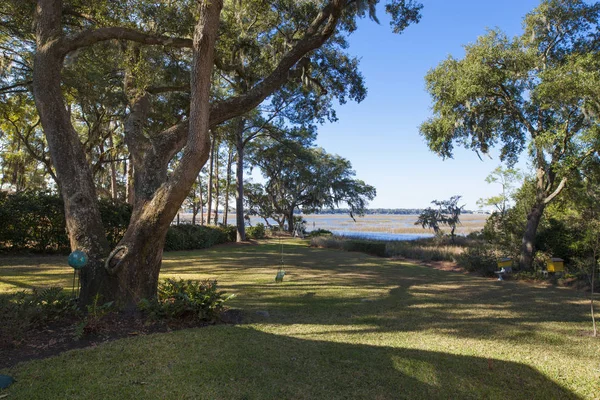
[{"x": 340, "y": 326}]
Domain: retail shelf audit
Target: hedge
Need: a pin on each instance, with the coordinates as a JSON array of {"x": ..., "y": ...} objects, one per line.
[{"x": 35, "y": 222}]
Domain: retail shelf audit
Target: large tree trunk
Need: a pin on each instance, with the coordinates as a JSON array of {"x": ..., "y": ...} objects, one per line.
[
  {"x": 239, "y": 181},
  {"x": 130, "y": 272},
  {"x": 86, "y": 231},
  {"x": 528, "y": 242}
]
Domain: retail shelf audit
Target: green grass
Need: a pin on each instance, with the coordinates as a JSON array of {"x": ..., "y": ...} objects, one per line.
[{"x": 342, "y": 325}]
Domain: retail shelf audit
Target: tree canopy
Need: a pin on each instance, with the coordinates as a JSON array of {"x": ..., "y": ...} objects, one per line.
[
  {"x": 538, "y": 91},
  {"x": 140, "y": 85}
]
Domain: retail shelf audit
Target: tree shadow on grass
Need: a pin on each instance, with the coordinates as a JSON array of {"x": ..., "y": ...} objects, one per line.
[{"x": 229, "y": 362}]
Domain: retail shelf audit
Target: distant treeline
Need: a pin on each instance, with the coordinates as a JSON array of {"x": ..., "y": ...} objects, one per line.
[{"x": 395, "y": 211}]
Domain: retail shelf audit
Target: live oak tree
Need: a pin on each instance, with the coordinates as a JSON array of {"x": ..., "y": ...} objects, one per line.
[
  {"x": 308, "y": 94},
  {"x": 181, "y": 35},
  {"x": 299, "y": 177},
  {"x": 538, "y": 91}
]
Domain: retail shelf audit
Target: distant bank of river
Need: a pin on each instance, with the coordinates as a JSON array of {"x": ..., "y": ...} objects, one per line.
[
  {"x": 384, "y": 226},
  {"x": 373, "y": 226}
]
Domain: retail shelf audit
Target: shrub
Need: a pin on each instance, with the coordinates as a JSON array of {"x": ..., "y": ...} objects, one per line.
[
  {"x": 257, "y": 231},
  {"x": 35, "y": 221},
  {"x": 366, "y": 246},
  {"x": 327, "y": 242},
  {"x": 424, "y": 250},
  {"x": 480, "y": 259},
  {"x": 22, "y": 311},
  {"x": 230, "y": 232},
  {"x": 186, "y": 298},
  {"x": 193, "y": 237},
  {"x": 319, "y": 232}
]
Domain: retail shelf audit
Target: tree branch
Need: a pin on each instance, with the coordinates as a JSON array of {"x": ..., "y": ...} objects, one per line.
[
  {"x": 93, "y": 36},
  {"x": 16, "y": 85},
  {"x": 321, "y": 29}
]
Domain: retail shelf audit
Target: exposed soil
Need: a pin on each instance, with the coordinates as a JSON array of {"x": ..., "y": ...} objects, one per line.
[{"x": 61, "y": 336}]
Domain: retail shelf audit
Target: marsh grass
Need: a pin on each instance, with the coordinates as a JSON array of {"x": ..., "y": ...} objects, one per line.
[
  {"x": 341, "y": 325},
  {"x": 430, "y": 249}
]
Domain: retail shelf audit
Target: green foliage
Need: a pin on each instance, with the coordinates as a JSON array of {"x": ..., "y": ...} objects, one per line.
[
  {"x": 373, "y": 248},
  {"x": 257, "y": 231},
  {"x": 366, "y": 246},
  {"x": 480, "y": 259},
  {"x": 32, "y": 221},
  {"x": 230, "y": 232},
  {"x": 35, "y": 221},
  {"x": 186, "y": 298},
  {"x": 319, "y": 232},
  {"x": 306, "y": 178},
  {"x": 22, "y": 311},
  {"x": 192, "y": 237},
  {"x": 93, "y": 320}
]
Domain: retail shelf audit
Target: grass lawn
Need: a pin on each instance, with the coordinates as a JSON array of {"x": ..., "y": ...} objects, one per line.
[{"x": 341, "y": 325}]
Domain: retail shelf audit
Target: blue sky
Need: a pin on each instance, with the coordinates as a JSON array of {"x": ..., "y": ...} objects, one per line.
[{"x": 380, "y": 135}]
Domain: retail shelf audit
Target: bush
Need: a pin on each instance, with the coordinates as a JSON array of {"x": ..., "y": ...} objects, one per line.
[
  {"x": 22, "y": 311},
  {"x": 35, "y": 221},
  {"x": 186, "y": 298},
  {"x": 424, "y": 250},
  {"x": 319, "y": 232},
  {"x": 480, "y": 259},
  {"x": 257, "y": 231},
  {"x": 366, "y": 246},
  {"x": 193, "y": 237},
  {"x": 230, "y": 232}
]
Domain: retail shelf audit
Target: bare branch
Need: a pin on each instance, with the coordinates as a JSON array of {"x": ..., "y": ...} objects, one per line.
[
  {"x": 556, "y": 192},
  {"x": 16, "y": 85}
]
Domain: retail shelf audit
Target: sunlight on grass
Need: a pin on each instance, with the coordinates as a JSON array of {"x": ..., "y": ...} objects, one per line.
[{"x": 341, "y": 325}]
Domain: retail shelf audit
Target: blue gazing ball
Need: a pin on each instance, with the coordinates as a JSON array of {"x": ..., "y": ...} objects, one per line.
[{"x": 78, "y": 259}]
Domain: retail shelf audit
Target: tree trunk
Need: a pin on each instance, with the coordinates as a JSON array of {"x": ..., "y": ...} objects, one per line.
[
  {"x": 113, "y": 172},
  {"x": 209, "y": 194},
  {"x": 217, "y": 186},
  {"x": 228, "y": 185},
  {"x": 290, "y": 218},
  {"x": 528, "y": 242},
  {"x": 86, "y": 231},
  {"x": 130, "y": 272},
  {"x": 201, "y": 205},
  {"x": 239, "y": 181}
]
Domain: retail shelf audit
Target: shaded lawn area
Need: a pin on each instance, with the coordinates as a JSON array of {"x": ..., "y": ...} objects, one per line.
[{"x": 341, "y": 325}]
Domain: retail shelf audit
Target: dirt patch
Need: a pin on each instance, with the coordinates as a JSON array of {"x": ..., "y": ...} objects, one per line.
[{"x": 61, "y": 336}]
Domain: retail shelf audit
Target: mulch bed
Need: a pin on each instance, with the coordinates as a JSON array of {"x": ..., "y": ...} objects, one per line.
[{"x": 61, "y": 336}]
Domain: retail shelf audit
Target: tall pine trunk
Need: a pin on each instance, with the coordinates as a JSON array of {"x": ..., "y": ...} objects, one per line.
[
  {"x": 239, "y": 182},
  {"x": 216, "y": 183},
  {"x": 209, "y": 194},
  {"x": 228, "y": 185}
]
